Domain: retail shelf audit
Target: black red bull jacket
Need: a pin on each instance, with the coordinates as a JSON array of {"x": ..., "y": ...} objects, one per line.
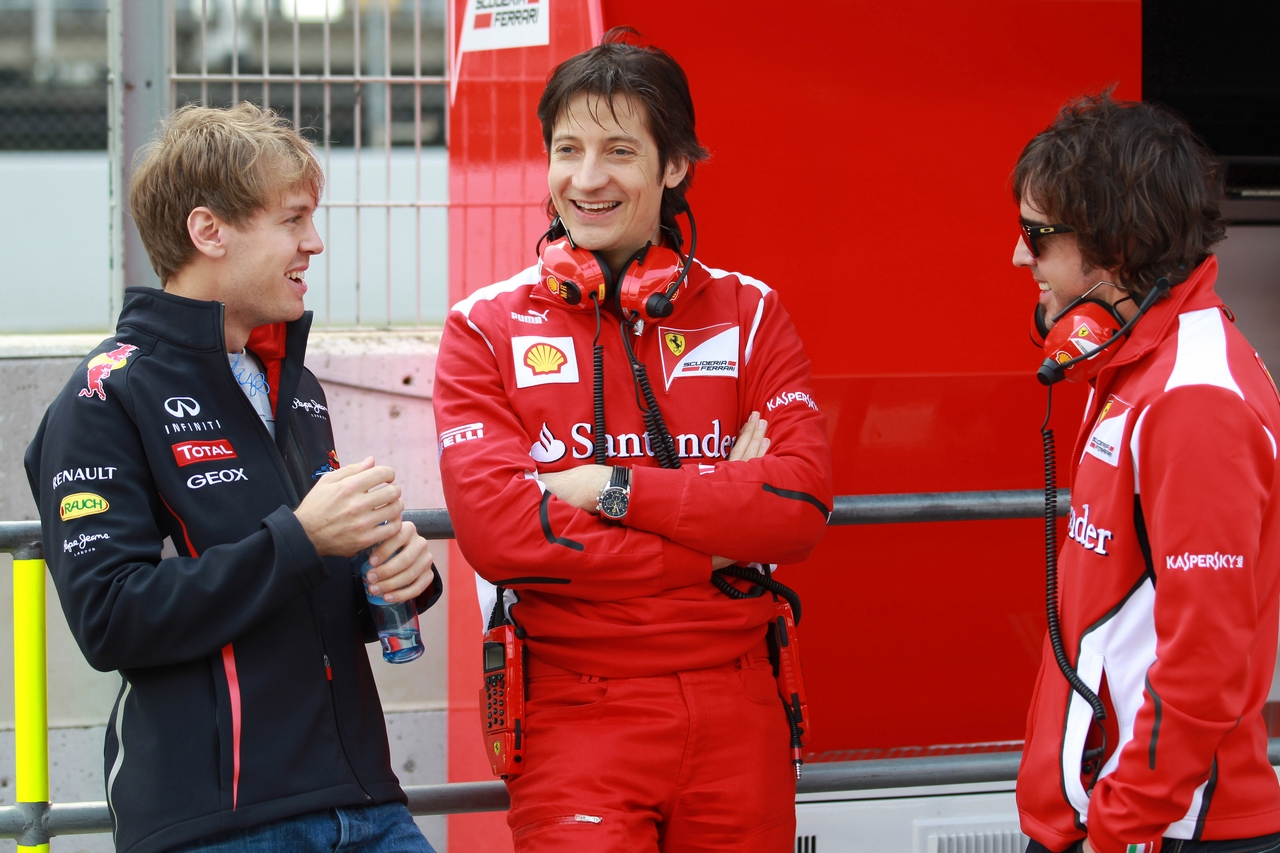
[
  {"x": 246, "y": 690},
  {"x": 1170, "y": 595},
  {"x": 514, "y": 398}
]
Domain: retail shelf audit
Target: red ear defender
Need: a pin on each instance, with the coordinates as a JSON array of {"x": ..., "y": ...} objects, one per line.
[
  {"x": 1083, "y": 329},
  {"x": 571, "y": 273},
  {"x": 646, "y": 281}
]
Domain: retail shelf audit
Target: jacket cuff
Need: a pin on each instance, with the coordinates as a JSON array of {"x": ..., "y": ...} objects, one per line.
[
  {"x": 431, "y": 594},
  {"x": 656, "y": 497},
  {"x": 683, "y": 566},
  {"x": 294, "y": 547}
]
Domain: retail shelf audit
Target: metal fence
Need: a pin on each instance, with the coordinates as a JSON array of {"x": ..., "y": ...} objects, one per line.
[
  {"x": 363, "y": 79},
  {"x": 33, "y": 820}
]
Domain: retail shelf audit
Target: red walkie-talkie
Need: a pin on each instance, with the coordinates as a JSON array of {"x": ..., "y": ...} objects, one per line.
[
  {"x": 790, "y": 679},
  {"x": 502, "y": 696}
]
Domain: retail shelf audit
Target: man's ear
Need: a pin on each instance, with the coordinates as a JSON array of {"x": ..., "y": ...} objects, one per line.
[
  {"x": 207, "y": 232},
  {"x": 674, "y": 173}
]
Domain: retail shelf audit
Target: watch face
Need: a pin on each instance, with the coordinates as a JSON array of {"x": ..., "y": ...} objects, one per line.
[{"x": 613, "y": 503}]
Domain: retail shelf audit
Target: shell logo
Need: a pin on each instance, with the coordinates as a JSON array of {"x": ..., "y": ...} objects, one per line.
[{"x": 544, "y": 358}]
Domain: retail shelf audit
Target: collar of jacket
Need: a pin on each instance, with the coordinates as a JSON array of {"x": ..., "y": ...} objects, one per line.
[
  {"x": 1191, "y": 295},
  {"x": 197, "y": 325}
]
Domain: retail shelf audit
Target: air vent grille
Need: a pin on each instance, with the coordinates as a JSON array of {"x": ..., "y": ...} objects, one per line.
[{"x": 1000, "y": 841}]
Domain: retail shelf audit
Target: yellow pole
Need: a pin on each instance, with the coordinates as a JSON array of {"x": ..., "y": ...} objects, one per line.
[{"x": 30, "y": 688}]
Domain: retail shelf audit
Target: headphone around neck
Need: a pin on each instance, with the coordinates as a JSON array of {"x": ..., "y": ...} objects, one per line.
[{"x": 647, "y": 285}]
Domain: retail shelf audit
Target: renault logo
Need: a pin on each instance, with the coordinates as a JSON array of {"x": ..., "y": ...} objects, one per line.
[{"x": 182, "y": 406}]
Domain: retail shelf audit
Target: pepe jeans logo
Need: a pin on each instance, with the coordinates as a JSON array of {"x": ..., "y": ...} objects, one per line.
[{"x": 80, "y": 546}]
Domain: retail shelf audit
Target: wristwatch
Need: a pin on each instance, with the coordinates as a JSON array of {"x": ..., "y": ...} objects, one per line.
[{"x": 616, "y": 495}]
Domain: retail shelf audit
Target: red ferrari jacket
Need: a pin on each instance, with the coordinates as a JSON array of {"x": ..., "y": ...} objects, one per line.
[
  {"x": 514, "y": 398},
  {"x": 1169, "y": 594}
]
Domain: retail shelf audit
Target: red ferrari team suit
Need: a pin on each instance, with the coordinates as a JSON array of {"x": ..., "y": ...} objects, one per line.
[
  {"x": 652, "y": 716},
  {"x": 1169, "y": 595}
]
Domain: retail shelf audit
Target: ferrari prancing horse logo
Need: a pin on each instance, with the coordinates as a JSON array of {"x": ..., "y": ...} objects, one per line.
[{"x": 675, "y": 343}]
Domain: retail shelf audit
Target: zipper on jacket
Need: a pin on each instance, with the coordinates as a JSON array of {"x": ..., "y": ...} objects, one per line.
[
  {"x": 333, "y": 702},
  {"x": 290, "y": 486}
]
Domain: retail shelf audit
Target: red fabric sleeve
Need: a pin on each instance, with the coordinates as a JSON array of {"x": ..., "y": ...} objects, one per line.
[
  {"x": 1205, "y": 470},
  {"x": 769, "y": 510},
  {"x": 506, "y": 526}
]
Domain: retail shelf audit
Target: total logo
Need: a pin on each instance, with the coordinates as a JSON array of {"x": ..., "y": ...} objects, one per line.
[
  {"x": 213, "y": 478},
  {"x": 544, "y": 361},
  {"x": 190, "y": 452},
  {"x": 81, "y": 504}
]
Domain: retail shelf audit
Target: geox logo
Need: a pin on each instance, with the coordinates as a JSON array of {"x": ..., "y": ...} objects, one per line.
[{"x": 1187, "y": 561}]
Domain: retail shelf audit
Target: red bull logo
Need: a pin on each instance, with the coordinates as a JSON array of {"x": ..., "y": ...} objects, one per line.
[{"x": 100, "y": 367}]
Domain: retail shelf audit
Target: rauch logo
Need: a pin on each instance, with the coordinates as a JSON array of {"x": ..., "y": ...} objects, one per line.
[{"x": 81, "y": 504}]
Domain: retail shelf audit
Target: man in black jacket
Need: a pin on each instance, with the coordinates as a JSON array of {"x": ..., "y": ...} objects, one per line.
[{"x": 247, "y": 718}]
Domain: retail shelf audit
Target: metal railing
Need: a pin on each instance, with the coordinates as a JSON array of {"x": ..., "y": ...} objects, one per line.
[{"x": 33, "y": 819}]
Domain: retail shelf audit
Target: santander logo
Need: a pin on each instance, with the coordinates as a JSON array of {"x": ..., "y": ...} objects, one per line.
[{"x": 548, "y": 448}]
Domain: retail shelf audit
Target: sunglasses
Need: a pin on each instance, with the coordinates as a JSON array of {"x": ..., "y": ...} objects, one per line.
[{"x": 1032, "y": 233}]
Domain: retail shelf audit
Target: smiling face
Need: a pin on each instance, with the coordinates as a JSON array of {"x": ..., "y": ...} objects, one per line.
[
  {"x": 605, "y": 178},
  {"x": 1060, "y": 271},
  {"x": 265, "y": 261}
]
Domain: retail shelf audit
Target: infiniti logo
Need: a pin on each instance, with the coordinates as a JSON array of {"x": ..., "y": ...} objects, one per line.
[{"x": 182, "y": 406}]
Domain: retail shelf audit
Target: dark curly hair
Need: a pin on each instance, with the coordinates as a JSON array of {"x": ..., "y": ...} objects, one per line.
[
  {"x": 1140, "y": 189},
  {"x": 646, "y": 75}
]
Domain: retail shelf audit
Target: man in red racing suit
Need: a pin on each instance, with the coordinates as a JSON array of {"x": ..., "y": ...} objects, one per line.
[
  {"x": 1169, "y": 598},
  {"x": 653, "y": 720}
]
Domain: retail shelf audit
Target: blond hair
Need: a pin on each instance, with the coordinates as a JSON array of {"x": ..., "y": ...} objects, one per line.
[{"x": 233, "y": 161}]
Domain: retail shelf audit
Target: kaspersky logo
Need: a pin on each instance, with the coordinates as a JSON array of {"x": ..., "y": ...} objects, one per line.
[
  {"x": 100, "y": 367},
  {"x": 81, "y": 504}
]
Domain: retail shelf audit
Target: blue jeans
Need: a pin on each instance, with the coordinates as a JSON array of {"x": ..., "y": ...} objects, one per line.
[{"x": 388, "y": 828}]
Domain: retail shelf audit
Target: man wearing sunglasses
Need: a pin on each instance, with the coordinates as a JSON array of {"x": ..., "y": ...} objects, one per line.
[{"x": 1169, "y": 605}]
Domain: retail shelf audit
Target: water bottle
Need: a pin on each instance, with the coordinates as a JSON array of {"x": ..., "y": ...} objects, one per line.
[{"x": 397, "y": 624}]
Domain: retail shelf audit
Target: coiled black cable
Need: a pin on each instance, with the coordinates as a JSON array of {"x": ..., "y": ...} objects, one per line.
[
  {"x": 597, "y": 358},
  {"x": 1092, "y": 759},
  {"x": 760, "y": 583},
  {"x": 660, "y": 440}
]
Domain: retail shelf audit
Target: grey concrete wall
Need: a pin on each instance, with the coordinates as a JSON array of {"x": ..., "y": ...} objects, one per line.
[{"x": 379, "y": 391}]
